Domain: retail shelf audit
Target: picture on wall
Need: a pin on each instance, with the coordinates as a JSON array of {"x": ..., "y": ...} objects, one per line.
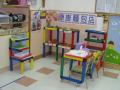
[
  {"x": 51, "y": 16},
  {"x": 112, "y": 52},
  {"x": 36, "y": 22}
]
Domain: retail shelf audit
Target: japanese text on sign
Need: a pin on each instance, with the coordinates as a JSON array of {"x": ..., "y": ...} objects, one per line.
[{"x": 85, "y": 19}]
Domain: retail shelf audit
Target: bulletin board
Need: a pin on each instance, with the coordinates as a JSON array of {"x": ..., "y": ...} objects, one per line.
[{"x": 112, "y": 52}]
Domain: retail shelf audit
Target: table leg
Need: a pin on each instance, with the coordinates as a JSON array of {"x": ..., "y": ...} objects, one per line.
[
  {"x": 31, "y": 63},
  {"x": 57, "y": 43},
  {"x": 84, "y": 65},
  {"x": 11, "y": 65},
  {"x": 78, "y": 63},
  {"x": 21, "y": 67},
  {"x": 92, "y": 71},
  {"x": 44, "y": 50},
  {"x": 62, "y": 52},
  {"x": 50, "y": 50},
  {"x": 57, "y": 50},
  {"x": 71, "y": 65},
  {"x": 62, "y": 67},
  {"x": 50, "y": 39}
]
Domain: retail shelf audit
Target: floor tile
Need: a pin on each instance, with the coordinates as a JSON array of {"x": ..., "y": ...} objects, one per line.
[
  {"x": 45, "y": 70},
  {"x": 111, "y": 74},
  {"x": 26, "y": 81}
]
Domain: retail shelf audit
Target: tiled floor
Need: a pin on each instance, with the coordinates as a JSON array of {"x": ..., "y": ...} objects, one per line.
[{"x": 51, "y": 80}]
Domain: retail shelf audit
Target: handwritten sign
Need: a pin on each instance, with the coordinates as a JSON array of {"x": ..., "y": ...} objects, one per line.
[{"x": 78, "y": 18}]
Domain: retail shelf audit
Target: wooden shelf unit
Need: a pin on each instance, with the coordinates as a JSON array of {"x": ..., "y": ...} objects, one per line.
[{"x": 15, "y": 9}]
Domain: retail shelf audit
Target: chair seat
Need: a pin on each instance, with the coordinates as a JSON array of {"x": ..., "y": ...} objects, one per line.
[
  {"x": 22, "y": 56},
  {"x": 28, "y": 57}
]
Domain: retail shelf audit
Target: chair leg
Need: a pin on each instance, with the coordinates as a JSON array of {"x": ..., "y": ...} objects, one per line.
[
  {"x": 11, "y": 65},
  {"x": 97, "y": 74},
  {"x": 21, "y": 67},
  {"x": 103, "y": 68},
  {"x": 86, "y": 83},
  {"x": 31, "y": 63},
  {"x": 71, "y": 65}
]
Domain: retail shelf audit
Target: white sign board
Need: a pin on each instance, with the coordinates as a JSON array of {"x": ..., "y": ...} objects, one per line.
[{"x": 78, "y": 18}]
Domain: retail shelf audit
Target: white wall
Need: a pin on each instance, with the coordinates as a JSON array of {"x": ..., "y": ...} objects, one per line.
[
  {"x": 36, "y": 42},
  {"x": 71, "y": 5},
  {"x": 35, "y": 4},
  {"x": 4, "y": 51}
]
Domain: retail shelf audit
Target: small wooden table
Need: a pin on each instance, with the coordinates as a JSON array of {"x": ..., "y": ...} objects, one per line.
[{"x": 76, "y": 55}]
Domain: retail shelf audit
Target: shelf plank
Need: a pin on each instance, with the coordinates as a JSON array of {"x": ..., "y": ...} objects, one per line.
[
  {"x": 18, "y": 22},
  {"x": 65, "y": 47},
  {"x": 10, "y": 23},
  {"x": 109, "y": 14},
  {"x": 20, "y": 48},
  {"x": 60, "y": 45},
  {"x": 21, "y": 39},
  {"x": 93, "y": 40},
  {"x": 95, "y": 47},
  {"x": 50, "y": 28},
  {"x": 15, "y": 6},
  {"x": 94, "y": 31},
  {"x": 51, "y": 44}
]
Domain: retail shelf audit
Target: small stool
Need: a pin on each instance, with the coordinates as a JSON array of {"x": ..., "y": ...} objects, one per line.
[{"x": 21, "y": 62}]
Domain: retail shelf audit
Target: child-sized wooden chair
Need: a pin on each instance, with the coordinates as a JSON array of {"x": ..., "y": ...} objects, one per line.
[
  {"x": 20, "y": 51},
  {"x": 21, "y": 58}
]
